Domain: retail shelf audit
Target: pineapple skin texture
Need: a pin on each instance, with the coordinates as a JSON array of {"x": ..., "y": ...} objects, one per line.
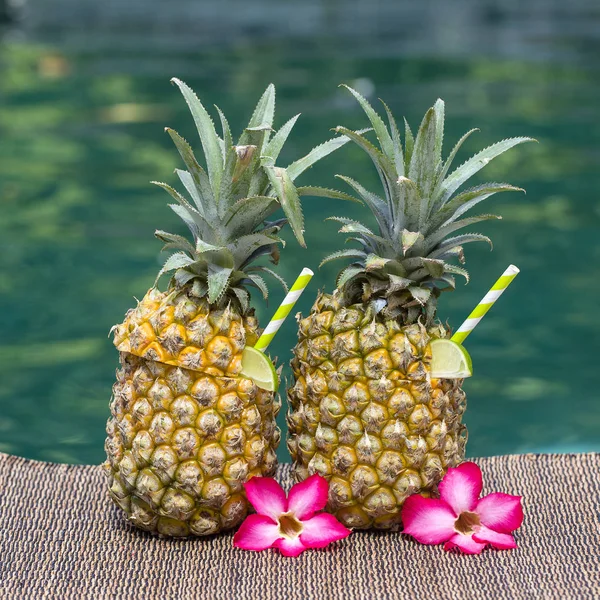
[
  {"x": 365, "y": 414},
  {"x": 179, "y": 329},
  {"x": 180, "y": 442}
]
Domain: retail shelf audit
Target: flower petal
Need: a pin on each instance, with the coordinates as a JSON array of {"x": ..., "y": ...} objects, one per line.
[
  {"x": 461, "y": 487},
  {"x": 257, "y": 533},
  {"x": 428, "y": 520},
  {"x": 322, "y": 530},
  {"x": 502, "y": 541},
  {"x": 267, "y": 497},
  {"x": 308, "y": 497},
  {"x": 500, "y": 512},
  {"x": 465, "y": 543},
  {"x": 290, "y": 547}
]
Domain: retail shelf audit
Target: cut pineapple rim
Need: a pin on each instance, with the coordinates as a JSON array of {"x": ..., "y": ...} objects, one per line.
[
  {"x": 450, "y": 360},
  {"x": 256, "y": 365}
]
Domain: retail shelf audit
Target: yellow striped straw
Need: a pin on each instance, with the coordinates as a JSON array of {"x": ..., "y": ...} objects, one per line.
[
  {"x": 486, "y": 303},
  {"x": 284, "y": 309}
]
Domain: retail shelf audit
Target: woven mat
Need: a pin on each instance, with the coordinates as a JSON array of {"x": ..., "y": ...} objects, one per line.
[{"x": 61, "y": 537}]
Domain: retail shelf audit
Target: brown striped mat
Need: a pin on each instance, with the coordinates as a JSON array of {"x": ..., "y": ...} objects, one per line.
[{"x": 61, "y": 537}]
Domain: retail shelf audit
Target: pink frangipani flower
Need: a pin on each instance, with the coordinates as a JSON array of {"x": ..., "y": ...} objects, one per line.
[
  {"x": 289, "y": 524},
  {"x": 459, "y": 519}
]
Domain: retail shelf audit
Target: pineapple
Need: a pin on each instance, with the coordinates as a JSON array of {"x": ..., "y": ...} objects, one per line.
[
  {"x": 364, "y": 411},
  {"x": 186, "y": 429}
]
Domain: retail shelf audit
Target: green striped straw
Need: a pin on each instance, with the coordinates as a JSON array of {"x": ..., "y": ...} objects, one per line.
[
  {"x": 284, "y": 309},
  {"x": 486, "y": 303}
]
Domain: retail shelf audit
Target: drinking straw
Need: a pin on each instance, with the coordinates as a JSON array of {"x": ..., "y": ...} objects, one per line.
[
  {"x": 284, "y": 309},
  {"x": 486, "y": 303}
]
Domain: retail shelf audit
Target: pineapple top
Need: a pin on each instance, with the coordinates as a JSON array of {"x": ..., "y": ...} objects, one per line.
[
  {"x": 231, "y": 199},
  {"x": 412, "y": 257}
]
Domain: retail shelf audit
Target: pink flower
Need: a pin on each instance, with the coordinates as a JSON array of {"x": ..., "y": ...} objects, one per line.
[
  {"x": 459, "y": 518},
  {"x": 289, "y": 524}
]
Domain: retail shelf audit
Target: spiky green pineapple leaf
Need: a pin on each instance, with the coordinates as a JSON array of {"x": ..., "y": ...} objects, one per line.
[
  {"x": 407, "y": 205},
  {"x": 246, "y": 167},
  {"x": 279, "y": 278},
  {"x": 189, "y": 184},
  {"x": 199, "y": 288},
  {"x": 459, "y": 241},
  {"x": 177, "y": 260},
  {"x": 227, "y": 139},
  {"x": 435, "y": 268},
  {"x": 410, "y": 239},
  {"x": 195, "y": 222},
  {"x": 259, "y": 129},
  {"x": 208, "y": 135},
  {"x": 476, "y": 163},
  {"x": 423, "y": 163},
  {"x": 185, "y": 216},
  {"x": 258, "y": 282},
  {"x": 450, "y": 253},
  {"x": 348, "y": 273},
  {"x": 373, "y": 262},
  {"x": 398, "y": 152},
  {"x": 466, "y": 200},
  {"x": 246, "y": 212},
  {"x": 275, "y": 145},
  {"x": 247, "y": 244},
  {"x": 383, "y": 164},
  {"x": 259, "y": 184},
  {"x": 177, "y": 196},
  {"x": 218, "y": 278},
  {"x": 316, "y": 154},
  {"x": 378, "y": 205},
  {"x": 272, "y": 251},
  {"x": 381, "y": 131},
  {"x": 394, "y": 267},
  {"x": 367, "y": 236},
  {"x": 182, "y": 277},
  {"x": 321, "y": 192},
  {"x": 351, "y": 226},
  {"x": 289, "y": 200},
  {"x": 261, "y": 121},
  {"x": 421, "y": 295},
  {"x": 452, "y": 155},
  {"x": 225, "y": 196},
  {"x": 450, "y": 268},
  {"x": 439, "y": 110},
  {"x": 398, "y": 283},
  {"x": 409, "y": 144},
  {"x": 206, "y": 206},
  {"x": 449, "y": 280},
  {"x": 413, "y": 263},
  {"x": 202, "y": 247},
  {"x": 436, "y": 237},
  {"x": 257, "y": 137},
  {"x": 349, "y": 253},
  {"x": 243, "y": 298},
  {"x": 173, "y": 240}
]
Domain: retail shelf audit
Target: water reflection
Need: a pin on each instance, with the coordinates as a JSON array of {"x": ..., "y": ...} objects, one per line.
[{"x": 82, "y": 112}]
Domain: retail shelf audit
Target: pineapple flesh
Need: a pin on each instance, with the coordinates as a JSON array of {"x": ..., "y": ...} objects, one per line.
[
  {"x": 364, "y": 411},
  {"x": 186, "y": 429}
]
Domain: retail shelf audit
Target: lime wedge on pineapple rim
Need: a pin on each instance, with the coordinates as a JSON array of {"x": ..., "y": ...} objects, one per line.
[
  {"x": 449, "y": 360},
  {"x": 256, "y": 365}
]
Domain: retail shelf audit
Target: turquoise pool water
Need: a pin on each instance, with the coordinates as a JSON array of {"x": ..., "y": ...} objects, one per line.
[{"x": 84, "y": 96}]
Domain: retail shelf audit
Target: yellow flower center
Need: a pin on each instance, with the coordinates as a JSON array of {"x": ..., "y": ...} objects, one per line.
[
  {"x": 467, "y": 523},
  {"x": 289, "y": 526}
]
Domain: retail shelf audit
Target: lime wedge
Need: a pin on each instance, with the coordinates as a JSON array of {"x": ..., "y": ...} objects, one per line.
[
  {"x": 449, "y": 360},
  {"x": 256, "y": 365}
]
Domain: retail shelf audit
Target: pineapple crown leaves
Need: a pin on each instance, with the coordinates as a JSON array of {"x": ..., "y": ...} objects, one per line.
[
  {"x": 230, "y": 199},
  {"x": 408, "y": 261}
]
